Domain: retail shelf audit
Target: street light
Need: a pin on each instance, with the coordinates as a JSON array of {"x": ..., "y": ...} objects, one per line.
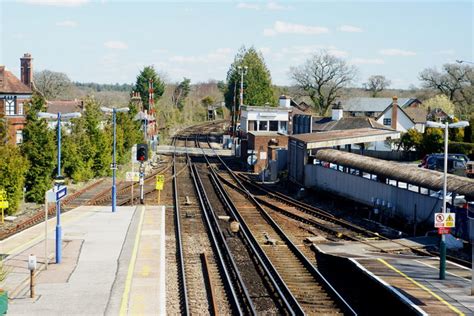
[
  {"x": 114, "y": 165},
  {"x": 58, "y": 116},
  {"x": 442, "y": 245},
  {"x": 464, "y": 61}
]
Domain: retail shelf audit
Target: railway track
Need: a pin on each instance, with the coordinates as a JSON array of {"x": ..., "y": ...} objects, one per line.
[
  {"x": 205, "y": 280},
  {"x": 301, "y": 286}
]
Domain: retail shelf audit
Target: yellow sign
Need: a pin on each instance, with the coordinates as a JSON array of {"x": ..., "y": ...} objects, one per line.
[
  {"x": 160, "y": 182},
  {"x": 3, "y": 204},
  {"x": 449, "y": 222}
]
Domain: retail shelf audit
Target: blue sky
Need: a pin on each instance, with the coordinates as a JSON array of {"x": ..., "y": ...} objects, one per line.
[{"x": 110, "y": 41}]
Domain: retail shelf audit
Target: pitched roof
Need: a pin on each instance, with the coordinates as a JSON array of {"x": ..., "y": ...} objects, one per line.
[
  {"x": 11, "y": 84},
  {"x": 417, "y": 114},
  {"x": 372, "y": 104},
  {"x": 345, "y": 123},
  {"x": 64, "y": 106}
]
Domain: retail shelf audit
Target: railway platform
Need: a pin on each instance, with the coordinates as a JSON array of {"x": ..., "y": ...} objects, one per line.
[
  {"x": 111, "y": 264},
  {"x": 414, "y": 279}
]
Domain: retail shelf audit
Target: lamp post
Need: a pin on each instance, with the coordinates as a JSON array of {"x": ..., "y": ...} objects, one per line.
[
  {"x": 58, "y": 181},
  {"x": 242, "y": 71},
  {"x": 442, "y": 245},
  {"x": 464, "y": 61},
  {"x": 114, "y": 165}
]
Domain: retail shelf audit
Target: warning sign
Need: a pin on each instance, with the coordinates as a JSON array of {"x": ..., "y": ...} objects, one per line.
[
  {"x": 439, "y": 220},
  {"x": 443, "y": 230},
  {"x": 446, "y": 220},
  {"x": 450, "y": 220}
]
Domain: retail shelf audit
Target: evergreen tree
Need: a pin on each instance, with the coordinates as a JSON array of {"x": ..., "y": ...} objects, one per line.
[
  {"x": 13, "y": 168},
  {"x": 141, "y": 85},
  {"x": 39, "y": 147},
  {"x": 257, "y": 81}
]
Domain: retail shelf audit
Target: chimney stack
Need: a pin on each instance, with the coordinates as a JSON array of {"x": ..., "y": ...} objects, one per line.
[
  {"x": 285, "y": 101},
  {"x": 26, "y": 69},
  {"x": 394, "y": 112}
]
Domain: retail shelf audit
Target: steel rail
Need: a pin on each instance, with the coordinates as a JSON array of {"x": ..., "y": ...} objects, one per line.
[
  {"x": 179, "y": 242},
  {"x": 345, "y": 306},
  {"x": 288, "y": 299},
  {"x": 207, "y": 211}
]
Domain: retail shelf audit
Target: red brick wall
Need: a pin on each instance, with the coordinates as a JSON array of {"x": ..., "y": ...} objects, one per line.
[{"x": 256, "y": 142}]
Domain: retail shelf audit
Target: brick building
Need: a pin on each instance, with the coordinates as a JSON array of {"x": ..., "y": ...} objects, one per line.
[{"x": 14, "y": 93}]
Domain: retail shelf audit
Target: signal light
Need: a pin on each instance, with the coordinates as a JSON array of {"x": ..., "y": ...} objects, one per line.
[{"x": 142, "y": 152}]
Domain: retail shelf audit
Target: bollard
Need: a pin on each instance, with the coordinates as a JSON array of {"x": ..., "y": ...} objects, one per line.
[{"x": 32, "y": 268}]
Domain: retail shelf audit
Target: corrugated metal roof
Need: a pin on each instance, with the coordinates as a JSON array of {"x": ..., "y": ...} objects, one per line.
[
  {"x": 345, "y": 123},
  {"x": 402, "y": 172},
  {"x": 361, "y": 104}
]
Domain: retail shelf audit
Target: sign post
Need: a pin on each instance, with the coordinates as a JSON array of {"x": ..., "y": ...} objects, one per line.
[
  {"x": 160, "y": 182},
  {"x": 3, "y": 203}
]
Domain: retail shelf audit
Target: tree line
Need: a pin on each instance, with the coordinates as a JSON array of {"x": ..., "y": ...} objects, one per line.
[{"x": 86, "y": 150}]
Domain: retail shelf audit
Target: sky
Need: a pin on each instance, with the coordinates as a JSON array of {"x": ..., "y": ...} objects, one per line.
[{"x": 111, "y": 41}]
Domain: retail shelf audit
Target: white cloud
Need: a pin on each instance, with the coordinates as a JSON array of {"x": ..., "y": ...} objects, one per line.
[
  {"x": 349, "y": 29},
  {"x": 289, "y": 28},
  {"x": 338, "y": 52},
  {"x": 116, "y": 45},
  {"x": 217, "y": 56},
  {"x": 265, "y": 50},
  {"x": 66, "y": 23},
  {"x": 274, "y": 6},
  {"x": 57, "y": 3},
  {"x": 248, "y": 6},
  {"x": 367, "y": 61},
  {"x": 446, "y": 52},
  {"x": 396, "y": 52}
]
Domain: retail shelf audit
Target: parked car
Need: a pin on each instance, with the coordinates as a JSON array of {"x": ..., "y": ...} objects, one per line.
[
  {"x": 458, "y": 199},
  {"x": 470, "y": 169}
]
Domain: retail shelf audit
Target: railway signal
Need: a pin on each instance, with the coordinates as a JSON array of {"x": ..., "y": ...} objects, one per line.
[{"x": 142, "y": 152}]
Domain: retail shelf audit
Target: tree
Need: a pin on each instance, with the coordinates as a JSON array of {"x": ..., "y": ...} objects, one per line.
[
  {"x": 39, "y": 147},
  {"x": 456, "y": 81},
  {"x": 181, "y": 92},
  {"x": 207, "y": 101},
  {"x": 52, "y": 84},
  {"x": 439, "y": 101},
  {"x": 3, "y": 129},
  {"x": 376, "y": 84},
  {"x": 257, "y": 80},
  {"x": 433, "y": 141},
  {"x": 13, "y": 167},
  {"x": 322, "y": 77},
  {"x": 142, "y": 85},
  {"x": 410, "y": 140}
]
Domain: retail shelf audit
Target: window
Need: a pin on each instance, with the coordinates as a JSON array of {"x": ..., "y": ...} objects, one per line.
[
  {"x": 19, "y": 136},
  {"x": 9, "y": 107},
  {"x": 252, "y": 126},
  {"x": 273, "y": 126},
  {"x": 263, "y": 125},
  {"x": 387, "y": 121},
  {"x": 283, "y": 128},
  {"x": 19, "y": 108}
]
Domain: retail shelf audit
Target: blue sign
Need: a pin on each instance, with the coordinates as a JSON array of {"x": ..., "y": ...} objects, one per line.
[{"x": 60, "y": 193}]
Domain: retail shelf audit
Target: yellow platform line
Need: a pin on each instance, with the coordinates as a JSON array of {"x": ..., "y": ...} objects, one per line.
[
  {"x": 131, "y": 267},
  {"x": 457, "y": 311}
]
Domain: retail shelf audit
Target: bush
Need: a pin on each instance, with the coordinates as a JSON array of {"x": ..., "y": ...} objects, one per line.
[{"x": 462, "y": 148}]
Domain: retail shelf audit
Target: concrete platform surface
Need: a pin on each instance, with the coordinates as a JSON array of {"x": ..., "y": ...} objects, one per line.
[
  {"x": 414, "y": 278},
  {"x": 100, "y": 248}
]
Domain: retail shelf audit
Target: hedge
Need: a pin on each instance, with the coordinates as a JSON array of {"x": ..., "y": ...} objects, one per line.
[{"x": 462, "y": 148}]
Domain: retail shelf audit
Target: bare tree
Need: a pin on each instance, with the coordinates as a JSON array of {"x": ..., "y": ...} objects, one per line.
[
  {"x": 322, "y": 77},
  {"x": 52, "y": 84},
  {"x": 376, "y": 84},
  {"x": 455, "y": 81}
]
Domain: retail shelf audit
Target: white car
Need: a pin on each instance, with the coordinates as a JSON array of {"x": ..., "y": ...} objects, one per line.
[{"x": 459, "y": 199}]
